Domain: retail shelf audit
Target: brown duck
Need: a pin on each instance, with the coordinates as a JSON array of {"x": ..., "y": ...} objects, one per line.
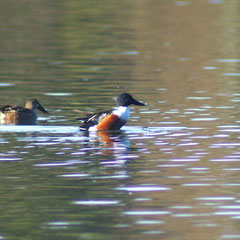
[{"x": 10, "y": 114}]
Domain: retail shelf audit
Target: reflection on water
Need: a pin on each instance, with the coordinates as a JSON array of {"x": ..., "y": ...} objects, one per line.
[
  {"x": 172, "y": 172},
  {"x": 146, "y": 166}
]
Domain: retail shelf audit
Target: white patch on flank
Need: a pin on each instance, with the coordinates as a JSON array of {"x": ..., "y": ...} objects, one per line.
[
  {"x": 2, "y": 116},
  {"x": 93, "y": 128},
  {"x": 122, "y": 112}
]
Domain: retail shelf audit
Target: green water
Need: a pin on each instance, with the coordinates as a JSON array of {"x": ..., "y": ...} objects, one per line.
[{"x": 172, "y": 172}]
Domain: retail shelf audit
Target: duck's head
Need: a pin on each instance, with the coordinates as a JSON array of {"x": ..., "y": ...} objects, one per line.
[
  {"x": 126, "y": 99},
  {"x": 34, "y": 104}
]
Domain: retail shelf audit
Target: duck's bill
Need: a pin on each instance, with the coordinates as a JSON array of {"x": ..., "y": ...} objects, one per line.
[
  {"x": 42, "y": 109},
  {"x": 135, "y": 102}
]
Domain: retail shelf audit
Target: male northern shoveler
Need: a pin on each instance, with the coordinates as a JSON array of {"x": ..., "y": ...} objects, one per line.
[
  {"x": 21, "y": 115},
  {"x": 112, "y": 119}
]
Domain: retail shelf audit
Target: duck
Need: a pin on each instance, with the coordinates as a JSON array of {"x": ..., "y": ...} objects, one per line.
[
  {"x": 110, "y": 120},
  {"x": 11, "y": 114}
]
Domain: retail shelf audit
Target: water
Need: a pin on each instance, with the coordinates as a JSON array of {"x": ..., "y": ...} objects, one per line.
[{"x": 172, "y": 171}]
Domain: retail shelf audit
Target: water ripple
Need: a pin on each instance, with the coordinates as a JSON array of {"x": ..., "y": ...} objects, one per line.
[
  {"x": 228, "y": 60},
  {"x": 10, "y": 159},
  {"x": 96, "y": 202},
  {"x": 75, "y": 175},
  {"x": 216, "y": 198},
  {"x": 143, "y": 188},
  {"x": 231, "y": 236},
  {"x": 146, "y": 212}
]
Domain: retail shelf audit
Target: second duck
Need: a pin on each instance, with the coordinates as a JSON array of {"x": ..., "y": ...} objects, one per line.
[{"x": 10, "y": 114}]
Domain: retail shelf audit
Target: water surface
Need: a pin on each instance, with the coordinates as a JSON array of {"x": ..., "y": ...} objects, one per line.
[{"x": 172, "y": 172}]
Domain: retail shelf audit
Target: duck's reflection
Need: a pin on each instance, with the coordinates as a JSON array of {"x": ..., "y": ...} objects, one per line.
[
  {"x": 109, "y": 142},
  {"x": 114, "y": 139},
  {"x": 109, "y": 151},
  {"x": 113, "y": 152}
]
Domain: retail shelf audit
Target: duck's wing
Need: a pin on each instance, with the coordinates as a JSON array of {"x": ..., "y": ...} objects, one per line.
[
  {"x": 6, "y": 108},
  {"x": 93, "y": 119},
  {"x": 23, "y": 111}
]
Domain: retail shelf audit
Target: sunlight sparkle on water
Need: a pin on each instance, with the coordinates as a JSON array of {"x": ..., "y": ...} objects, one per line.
[
  {"x": 142, "y": 188},
  {"x": 209, "y": 68},
  {"x": 231, "y": 74},
  {"x": 227, "y": 213},
  {"x": 204, "y": 119},
  {"x": 75, "y": 175},
  {"x": 216, "y": 198},
  {"x": 6, "y": 84},
  {"x": 142, "y": 212},
  {"x": 229, "y": 207},
  {"x": 58, "y": 94},
  {"x": 185, "y": 215},
  {"x": 63, "y": 223},
  {"x": 10, "y": 159},
  {"x": 149, "y": 222},
  {"x": 228, "y": 60},
  {"x": 185, "y": 160},
  {"x": 153, "y": 232},
  {"x": 57, "y": 164},
  {"x": 96, "y": 202},
  {"x": 231, "y": 236}
]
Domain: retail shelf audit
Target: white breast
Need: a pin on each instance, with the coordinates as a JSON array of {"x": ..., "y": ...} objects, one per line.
[{"x": 122, "y": 112}]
